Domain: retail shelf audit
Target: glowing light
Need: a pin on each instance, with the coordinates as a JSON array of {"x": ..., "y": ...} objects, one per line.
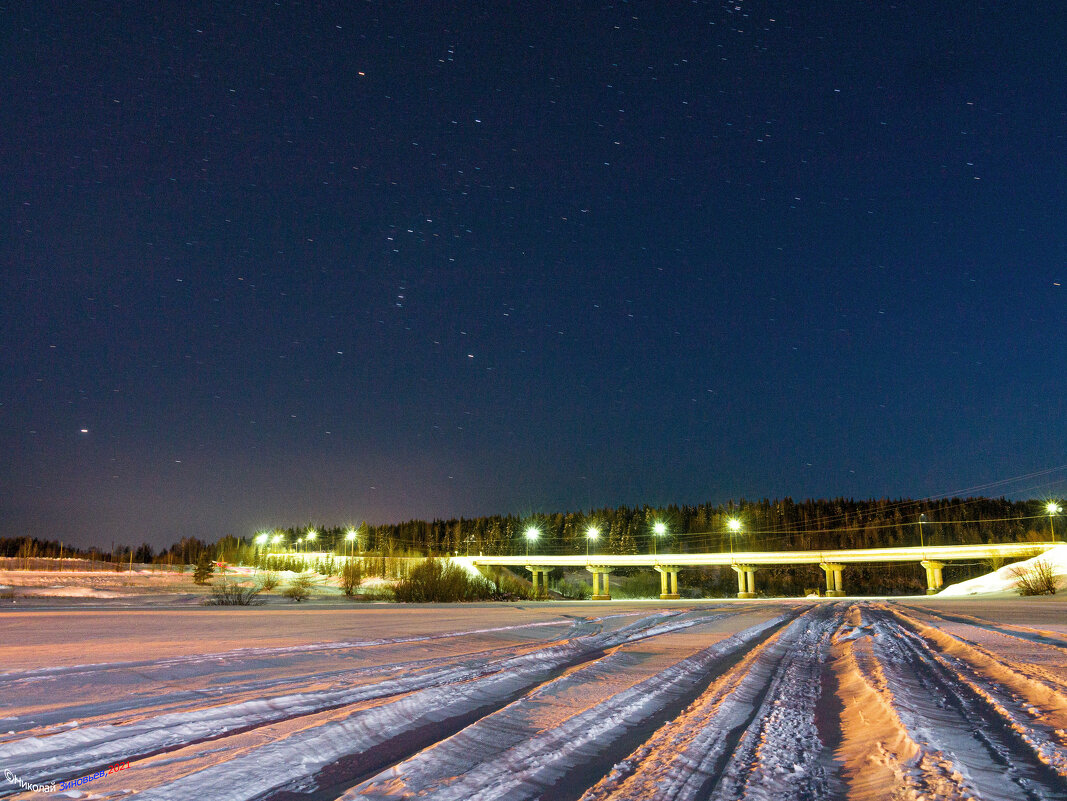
[
  {"x": 276, "y": 539},
  {"x": 351, "y": 535},
  {"x": 312, "y": 535},
  {"x": 532, "y": 533},
  {"x": 1053, "y": 508},
  {"x": 261, "y": 538},
  {"x": 659, "y": 529},
  {"x": 592, "y": 533},
  {"x": 733, "y": 524}
]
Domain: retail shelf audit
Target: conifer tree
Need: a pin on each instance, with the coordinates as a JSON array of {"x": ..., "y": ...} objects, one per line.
[{"x": 204, "y": 569}]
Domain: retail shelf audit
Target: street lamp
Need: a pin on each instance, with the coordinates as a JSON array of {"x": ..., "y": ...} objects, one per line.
[
  {"x": 1052, "y": 508},
  {"x": 659, "y": 529},
  {"x": 591, "y": 535},
  {"x": 275, "y": 539},
  {"x": 531, "y": 535},
  {"x": 922, "y": 541},
  {"x": 735, "y": 526},
  {"x": 350, "y": 537},
  {"x": 312, "y": 534}
]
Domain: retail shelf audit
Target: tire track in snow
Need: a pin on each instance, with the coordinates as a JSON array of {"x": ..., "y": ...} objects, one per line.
[
  {"x": 960, "y": 737},
  {"x": 85, "y": 749},
  {"x": 1035, "y": 712},
  {"x": 80, "y": 751},
  {"x": 501, "y": 756},
  {"x": 163, "y": 703},
  {"x": 752, "y": 734},
  {"x": 240, "y": 655},
  {"x": 295, "y": 763},
  {"x": 1005, "y": 629}
]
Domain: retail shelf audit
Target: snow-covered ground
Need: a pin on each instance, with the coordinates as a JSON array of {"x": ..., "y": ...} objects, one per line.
[
  {"x": 153, "y": 585},
  {"x": 788, "y": 700},
  {"x": 1002, "y": 583}
]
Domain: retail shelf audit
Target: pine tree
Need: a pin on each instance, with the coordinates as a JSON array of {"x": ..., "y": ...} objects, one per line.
[{"x": 204, "y": 569}]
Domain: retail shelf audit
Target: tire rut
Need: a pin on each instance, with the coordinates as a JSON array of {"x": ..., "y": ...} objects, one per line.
[
  {"x": 965, "y": 730},
  {"x": 730, "y": 736}
]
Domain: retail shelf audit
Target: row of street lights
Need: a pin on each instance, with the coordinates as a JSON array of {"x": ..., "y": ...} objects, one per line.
[
  {"x": 659, "y": 529},
  {"x": 263, "y": 538},
  {"x": 592, "y": 534},
  {"x": 733, "y": 524}
]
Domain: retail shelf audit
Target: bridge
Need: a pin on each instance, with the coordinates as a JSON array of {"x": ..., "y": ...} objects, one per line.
[{"x": 930, "y": 557}]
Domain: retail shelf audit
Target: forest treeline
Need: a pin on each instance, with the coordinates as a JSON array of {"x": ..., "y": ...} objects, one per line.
[{"x": 765, "y": 525}]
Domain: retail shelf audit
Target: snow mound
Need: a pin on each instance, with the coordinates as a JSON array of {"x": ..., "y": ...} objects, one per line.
[
  {"x": 69, "y": 592},
  {"x": 467, "y": 563},
  {"x": 1003, "y": 581}
]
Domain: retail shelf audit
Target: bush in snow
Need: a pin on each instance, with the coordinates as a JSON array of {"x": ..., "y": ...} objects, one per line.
[
  {"x": 351, "y": 576},
  {"x": 574, "y": 590},
  {"x": 230, "y": 593},
  {"x": 439, "y": 580},
  {"x": 299, "y": 588},
  {"x": 1037, "y": 578},
  {"x": 268, "y": 580}
]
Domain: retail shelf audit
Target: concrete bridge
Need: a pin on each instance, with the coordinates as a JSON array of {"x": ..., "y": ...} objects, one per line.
[{"x": 930, "y": 557}]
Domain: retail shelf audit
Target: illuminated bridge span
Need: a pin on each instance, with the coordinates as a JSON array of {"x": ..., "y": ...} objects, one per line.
[{"x": 931, "y": 557}]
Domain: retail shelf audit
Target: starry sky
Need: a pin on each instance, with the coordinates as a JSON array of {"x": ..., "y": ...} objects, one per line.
[{"x": 267, "y": 263}]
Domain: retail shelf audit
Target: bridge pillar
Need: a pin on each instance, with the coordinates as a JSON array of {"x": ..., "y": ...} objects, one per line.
[
  {"x": 601, "y": 592},
  {"x": 540, "y": 579},
  {"x": 934, "y": 582},
  {"x": 746, "y": 580},
  {"x": 835, "y": 583},
  {"x": 668, "y": 581}
]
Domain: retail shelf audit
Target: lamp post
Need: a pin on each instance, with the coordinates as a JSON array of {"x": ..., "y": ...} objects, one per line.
[
  {"x": 591, "y": 535},
  {"x": 734, "y": 525},
  {"x": 922, "y": 541},
  {"x": 1053, "y": 509},
  {"x": 349, "y": 538},
  {"x": 659, "y": 529},
  {"x": 531, "y": 534},
  {"x": 312, "y": 534}
]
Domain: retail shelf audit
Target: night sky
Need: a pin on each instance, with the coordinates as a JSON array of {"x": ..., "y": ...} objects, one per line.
[{"x": 272, "y": 263}]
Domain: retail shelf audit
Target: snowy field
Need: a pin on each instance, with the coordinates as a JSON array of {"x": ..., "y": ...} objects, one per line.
[{"x": 777, "y": 700}]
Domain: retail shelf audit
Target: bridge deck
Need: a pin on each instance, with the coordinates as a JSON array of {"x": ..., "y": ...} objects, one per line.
[{"x": 940, "y": 553}]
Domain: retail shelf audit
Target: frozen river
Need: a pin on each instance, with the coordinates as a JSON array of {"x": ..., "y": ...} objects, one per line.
[{"x": 722, "y": 700}]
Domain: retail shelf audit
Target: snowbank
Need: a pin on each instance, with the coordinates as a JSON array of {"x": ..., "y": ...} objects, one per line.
[
  {"x": 467, "y": 563},
  {"x": 69, "y": 592},
  {"x": 1002, "y": 582}
]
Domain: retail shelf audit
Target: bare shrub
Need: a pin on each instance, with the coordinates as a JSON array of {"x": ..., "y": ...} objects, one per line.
[
  {"x": 231, "y": 593},
  {"x": 351, "y": 577},
  {"x": 439, "y": 580},
  {"x": 507, "y": 586},
  {"x": 383, "y": 592},
  {"x": 574, "y": 590},
  {"x": 299, "y": 588},
  {"x": 1039, "y": 578},
  {"x": 642, "y": 585},
  {"x": 994, "y": 563},
  {"x": 268, "y": 580}
]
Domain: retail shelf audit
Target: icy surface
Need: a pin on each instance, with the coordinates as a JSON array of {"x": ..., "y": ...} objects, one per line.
[{"x": 785, "y": 701}]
